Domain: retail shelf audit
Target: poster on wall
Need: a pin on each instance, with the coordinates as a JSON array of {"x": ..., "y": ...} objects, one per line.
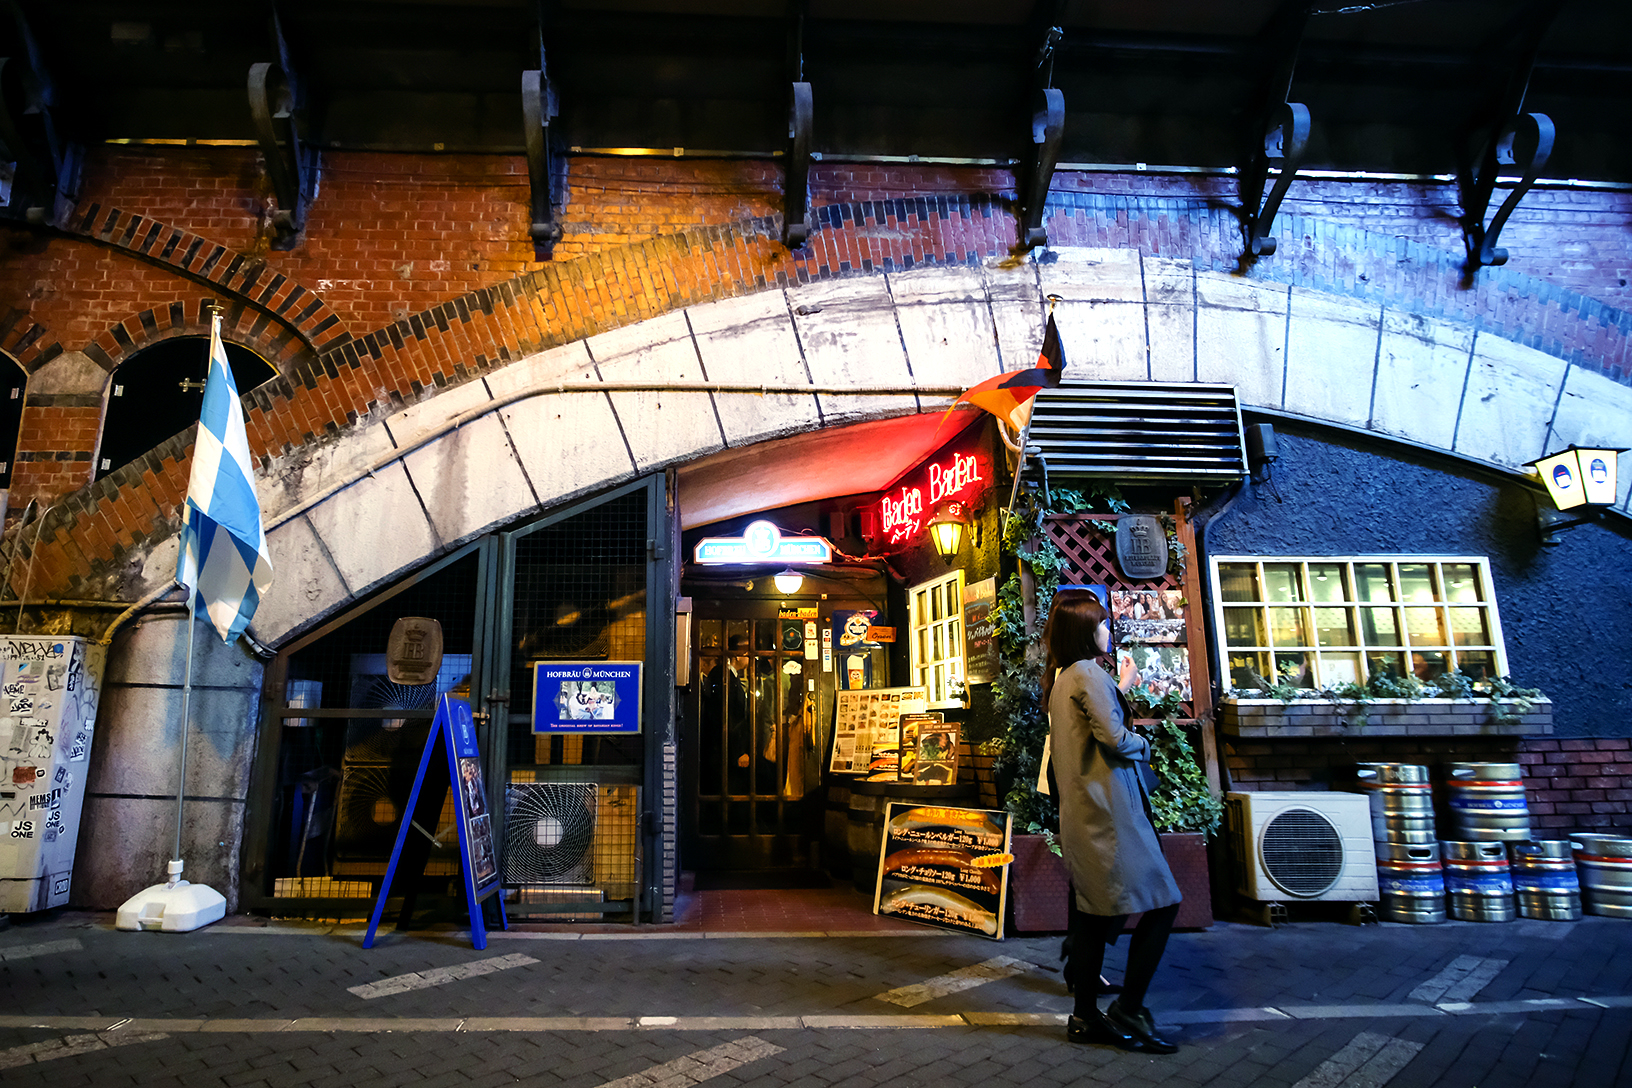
[
  {"x": 586, "y": 697},
  {"x": 980, "y": 663},
  {"x": 1162, "y": 669},
  {"x": 855, "y": 645},
  {"x": 1148, "y": 615},
  {"x": 945, "y": 867},
  {"x": 866, "y": 730}
]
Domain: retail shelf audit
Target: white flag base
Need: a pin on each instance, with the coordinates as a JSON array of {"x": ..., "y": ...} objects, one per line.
[{"x": 176, "y": 907}]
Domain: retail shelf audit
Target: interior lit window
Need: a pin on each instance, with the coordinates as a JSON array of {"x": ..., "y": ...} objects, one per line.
[
  {"x": 936, "y": 638},
  {"x": 1318, "y": 622}
]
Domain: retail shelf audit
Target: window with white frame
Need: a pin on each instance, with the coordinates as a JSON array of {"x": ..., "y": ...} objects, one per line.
[
  {"x": 935, "y": 638},
  {"x": 1319, "y": 622}
]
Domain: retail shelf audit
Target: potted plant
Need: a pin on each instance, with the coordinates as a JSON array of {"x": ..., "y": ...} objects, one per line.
[{"x": 1185, "y": 811}]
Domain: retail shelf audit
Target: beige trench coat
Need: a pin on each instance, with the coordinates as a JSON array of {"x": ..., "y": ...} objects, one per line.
[{"x": 1110, "y": 847}]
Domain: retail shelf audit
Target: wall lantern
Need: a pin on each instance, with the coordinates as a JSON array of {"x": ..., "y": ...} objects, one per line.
[
  {"x": 1576, "y": 479},
  {"x": 788, "y": 581},
  {"x": 946, "y": 529}
]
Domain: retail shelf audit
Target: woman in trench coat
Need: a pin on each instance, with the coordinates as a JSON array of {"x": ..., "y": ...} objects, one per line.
[{"x": 1110, "y": 845}]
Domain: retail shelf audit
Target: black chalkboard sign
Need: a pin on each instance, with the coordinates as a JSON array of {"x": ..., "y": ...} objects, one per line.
[{"x": 980, "y": 661}]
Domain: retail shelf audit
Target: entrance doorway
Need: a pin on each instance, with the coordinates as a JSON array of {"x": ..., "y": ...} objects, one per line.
[{"x": 757, "y": 730}]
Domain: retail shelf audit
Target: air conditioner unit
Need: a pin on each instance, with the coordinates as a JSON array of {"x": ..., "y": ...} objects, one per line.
[{"x": 1302, "y": 846}]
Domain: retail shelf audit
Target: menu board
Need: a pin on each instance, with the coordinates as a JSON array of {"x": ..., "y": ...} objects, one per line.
[
  {"x": 980, "y": 660},
  {"x": 929, "y": 750},
  {"x": 945, "y": 867},
  {"x": 866, "y": 729}
]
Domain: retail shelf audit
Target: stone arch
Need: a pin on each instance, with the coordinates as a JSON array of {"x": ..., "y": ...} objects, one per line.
[
  {"x": 734, "y": 372},
  {"x": 920, "y": 295}
]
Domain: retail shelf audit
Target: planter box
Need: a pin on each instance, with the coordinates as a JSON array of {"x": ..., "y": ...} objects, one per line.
[
  {"x": 1252, "y": 717},
  {"x": 1038, "y": 884}
]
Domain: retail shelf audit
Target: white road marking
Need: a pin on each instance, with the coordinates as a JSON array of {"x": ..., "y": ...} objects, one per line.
[
  {"x": 1459, "y": 981},
  {"x": 698, "y": 1067},
  {"x": 438, "y": 976},
  {"x": 964, "y": 978},
  {"x": 28, "y": 951},
  {"x": 69, "y": 1046},
  {"x": 1368, "y": 1060}
]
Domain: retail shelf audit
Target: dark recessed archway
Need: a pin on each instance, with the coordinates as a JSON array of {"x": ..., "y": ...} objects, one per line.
[
  {"x": 13, "y": 382},
  {"x": 148, "y": 401}
]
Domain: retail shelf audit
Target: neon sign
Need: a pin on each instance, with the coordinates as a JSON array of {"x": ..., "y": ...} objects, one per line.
[
  {"x": 904, "y": 511},
  {"x": 763, "y": 542}
]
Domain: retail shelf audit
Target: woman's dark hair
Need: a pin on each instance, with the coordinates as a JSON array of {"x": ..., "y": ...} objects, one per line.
[{"x": 1073, "y": 620}]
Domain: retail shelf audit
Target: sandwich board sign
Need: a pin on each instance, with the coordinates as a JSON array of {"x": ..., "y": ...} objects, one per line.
[{"x": 453, "y": 738}]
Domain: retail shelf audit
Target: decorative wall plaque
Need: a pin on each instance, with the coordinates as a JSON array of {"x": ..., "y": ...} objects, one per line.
[
  {"x": 413, "y": 654},
  {"x": 1141, "y": 547}
]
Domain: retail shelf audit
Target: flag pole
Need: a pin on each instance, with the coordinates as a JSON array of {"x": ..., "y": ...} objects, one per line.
[
  {"x": 1025, "y": 432},
  {"x": 178, "y": 905}
]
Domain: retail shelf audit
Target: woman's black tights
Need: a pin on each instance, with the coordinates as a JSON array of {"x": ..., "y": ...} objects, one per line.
[{"x": 1087, "y": 956}]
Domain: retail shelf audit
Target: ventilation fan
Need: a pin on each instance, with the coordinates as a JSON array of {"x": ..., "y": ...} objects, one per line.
[
  {"x": 549, "y": 833},
  {"x": 1302, "y": 846},
  {"x": 368, "y": 813}
]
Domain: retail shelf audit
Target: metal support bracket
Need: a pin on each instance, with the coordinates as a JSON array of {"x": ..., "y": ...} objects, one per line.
[
  {"x": 1526, "y": 143},
  {"x": 45, "y": 181},
  {"x": 1500, "y": 136},
  {"x": 1047, "y": 136},
  {"x": 292, "y": 169},
  {"x": 796, "y": 188},
  {"x": 1277, "y": 135},
  {"x": 538, "y": 108}
]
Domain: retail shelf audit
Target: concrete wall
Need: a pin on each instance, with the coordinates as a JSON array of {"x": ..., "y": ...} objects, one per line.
[{"x": 128, "y": 829}]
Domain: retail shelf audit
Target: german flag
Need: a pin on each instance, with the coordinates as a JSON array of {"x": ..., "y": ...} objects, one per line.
[{"x": 1008, "y": 396}]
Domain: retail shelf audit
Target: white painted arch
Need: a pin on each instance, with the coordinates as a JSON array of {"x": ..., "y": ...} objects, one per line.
[{"x": 353, "y": 512}]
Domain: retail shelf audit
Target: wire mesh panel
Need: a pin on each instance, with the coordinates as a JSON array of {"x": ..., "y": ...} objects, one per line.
[
  {"x": 579, "y": 593},
  {"x": 346, "y": 769}
]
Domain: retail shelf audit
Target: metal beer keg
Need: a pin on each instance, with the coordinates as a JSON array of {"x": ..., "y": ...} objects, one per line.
[
  {"x": 1604, "y": 865},
  {"x": 1410, "y": 882},
  {"x": 1544, "y": 880},
  {"x": 1402, "y": 802},
  {"x": 1487, "y": 802},
  {"x": 1478, "y": 886}
]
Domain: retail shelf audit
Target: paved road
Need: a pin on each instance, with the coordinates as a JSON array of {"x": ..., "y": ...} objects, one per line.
[{"x": 1308, "y": 1005}]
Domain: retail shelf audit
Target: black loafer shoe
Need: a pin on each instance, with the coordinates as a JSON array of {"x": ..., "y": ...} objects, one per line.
[
  {"x": 1098, "y": 1031},
  {"x": 1141, "y": 1027}
]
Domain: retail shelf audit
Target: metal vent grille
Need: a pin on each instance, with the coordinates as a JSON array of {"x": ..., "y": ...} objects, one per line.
[
  {"x": 1302, "y": 852},
  {"x": 1140, "y": 431}
]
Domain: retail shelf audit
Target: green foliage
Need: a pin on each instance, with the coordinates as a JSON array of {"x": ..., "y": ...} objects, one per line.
[
  {"x": 1183, "y": 799},
  {"x": 1508, "y": 701}
]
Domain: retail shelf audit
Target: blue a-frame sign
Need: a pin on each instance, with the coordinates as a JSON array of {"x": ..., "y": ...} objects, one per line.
[{"x": 454, "y": 733}]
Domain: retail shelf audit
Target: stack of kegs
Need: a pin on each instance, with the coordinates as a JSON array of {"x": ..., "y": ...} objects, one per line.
[
  {"x": 1410, "y": 878},
  {"x": 1605, "y": 864}
]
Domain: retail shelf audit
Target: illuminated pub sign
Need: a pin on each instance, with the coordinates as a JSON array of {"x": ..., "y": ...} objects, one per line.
[
  {"x": 905, "y": 509},
  {"x": 763, "y": 542}
]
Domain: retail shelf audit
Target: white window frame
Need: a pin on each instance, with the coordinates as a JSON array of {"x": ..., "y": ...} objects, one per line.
[
  {"x": 940, "y": 674},
  {"x": 1331, "y": 662}
]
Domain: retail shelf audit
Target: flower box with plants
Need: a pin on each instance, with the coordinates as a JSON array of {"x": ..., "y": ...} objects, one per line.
[
  {"x": 1183, "y": 806},
  {"x": 1448, "y": 705}
]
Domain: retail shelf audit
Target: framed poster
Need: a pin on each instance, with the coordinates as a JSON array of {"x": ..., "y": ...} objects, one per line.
[
  {"x": 1148, "y": 615},
  {"x": 586, "y": 697},
  {"x": 1162, "y": 669},
  {"x": 866, "y": 729},
  {"x": 945, "y": 867}
]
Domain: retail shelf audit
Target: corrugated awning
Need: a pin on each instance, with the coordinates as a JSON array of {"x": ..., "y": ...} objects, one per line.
[{"x": 1140, "y": 431}]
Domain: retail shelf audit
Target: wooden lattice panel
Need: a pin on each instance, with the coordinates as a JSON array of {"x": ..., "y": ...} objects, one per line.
[{"x": 1090, "y": 559}]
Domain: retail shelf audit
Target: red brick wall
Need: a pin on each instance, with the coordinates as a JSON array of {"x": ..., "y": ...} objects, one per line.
[
  {"x": 1569, "y": 785},
  {"x": 415, "y": 271}
]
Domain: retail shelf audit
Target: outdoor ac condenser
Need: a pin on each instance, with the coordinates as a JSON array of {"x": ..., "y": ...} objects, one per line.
[{"x": 1302, "y": 846}]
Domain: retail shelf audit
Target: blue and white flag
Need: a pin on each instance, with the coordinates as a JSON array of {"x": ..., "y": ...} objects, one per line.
[{"x": 223, "y": 562}]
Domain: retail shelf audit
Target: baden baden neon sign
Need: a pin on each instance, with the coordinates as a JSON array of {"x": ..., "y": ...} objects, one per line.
[{"x": 904, "y": 511}]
